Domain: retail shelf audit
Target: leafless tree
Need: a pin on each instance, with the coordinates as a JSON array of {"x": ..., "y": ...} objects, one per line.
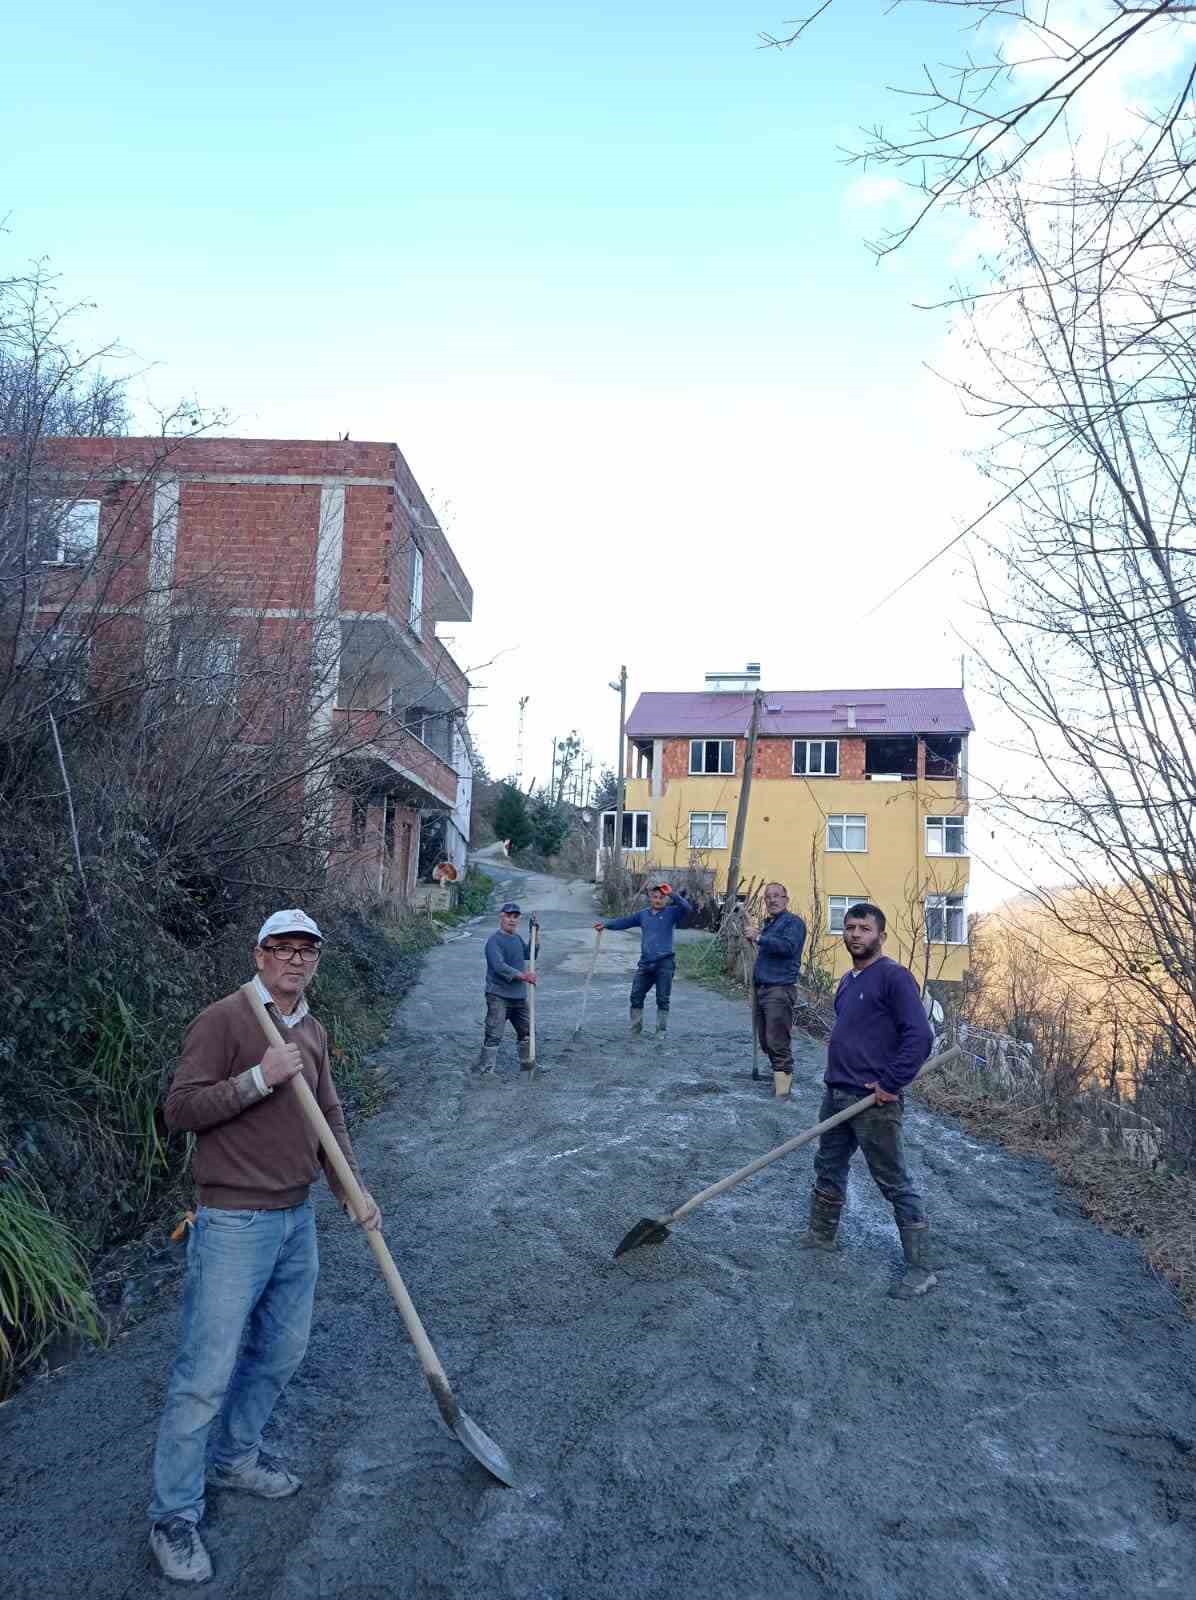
[
  {"x": 1086, "y": 374},
  {"x": 1029, "y": 68}
]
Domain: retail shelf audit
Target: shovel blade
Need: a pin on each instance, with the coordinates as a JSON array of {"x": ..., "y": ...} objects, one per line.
[
  {"x": 479, "y": 1443},
  {"x": 483, "y": 1448},
  {"x": 648, "y": 1230}
]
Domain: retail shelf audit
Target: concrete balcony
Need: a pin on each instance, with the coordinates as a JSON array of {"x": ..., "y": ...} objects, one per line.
[
  {"x": 422, "y": 671},
  {"x": 393, "y": 761}
]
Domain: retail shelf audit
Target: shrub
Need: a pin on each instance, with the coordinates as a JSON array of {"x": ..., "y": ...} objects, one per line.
[
  {"x": 44, "y": 1284},
  {"x": 474, "y": 893}
]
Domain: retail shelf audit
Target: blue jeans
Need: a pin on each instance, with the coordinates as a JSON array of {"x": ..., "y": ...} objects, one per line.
[
  {"x": 877, "y": 1132},
  {"x": 247, "y": 1302},
  {"x": 649, "y": 973}
]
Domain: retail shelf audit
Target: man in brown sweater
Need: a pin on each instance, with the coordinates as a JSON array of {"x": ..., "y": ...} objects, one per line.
[{"x": 251, "y": 1259}]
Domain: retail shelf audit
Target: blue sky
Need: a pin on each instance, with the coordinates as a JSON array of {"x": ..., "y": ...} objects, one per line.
[{"x": 600, "y": 271}]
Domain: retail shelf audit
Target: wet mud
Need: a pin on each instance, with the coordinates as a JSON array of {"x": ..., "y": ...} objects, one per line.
[{"x": 715, "y": 1418}]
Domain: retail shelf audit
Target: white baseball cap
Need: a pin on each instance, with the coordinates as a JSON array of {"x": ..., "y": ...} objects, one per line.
[{"x": 294, "y": 921}]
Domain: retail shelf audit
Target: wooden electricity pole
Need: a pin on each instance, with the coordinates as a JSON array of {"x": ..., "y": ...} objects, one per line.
[
  {"x": 745, "y": 794},
  {"x": 620, "y": 796}
]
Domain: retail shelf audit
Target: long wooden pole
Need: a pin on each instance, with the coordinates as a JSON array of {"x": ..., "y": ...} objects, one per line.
[
  {"x": 467, "y": 1431},
  {"x": 791, "y": 1145},
  {"x": 531, "y": 991},
  {"x": 741, "y": 812},
  {"x": 585, "y": 993},
  {"x": 621, "y": 796}
]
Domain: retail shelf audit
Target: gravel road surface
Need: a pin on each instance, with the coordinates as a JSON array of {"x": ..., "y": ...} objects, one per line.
[{"x": 717, "y": 1418}]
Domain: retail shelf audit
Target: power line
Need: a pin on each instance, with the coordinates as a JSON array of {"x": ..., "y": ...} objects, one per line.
[{"x": 971, "y": 527}]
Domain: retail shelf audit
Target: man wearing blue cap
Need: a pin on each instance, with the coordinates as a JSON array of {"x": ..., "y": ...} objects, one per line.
[{"x": 506, "y": 994}]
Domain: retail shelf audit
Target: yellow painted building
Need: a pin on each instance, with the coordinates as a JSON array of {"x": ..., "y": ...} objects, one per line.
[{"x": 856, "y": 795}]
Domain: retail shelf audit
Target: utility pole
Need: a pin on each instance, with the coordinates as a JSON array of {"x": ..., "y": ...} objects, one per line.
[
  {"x": 620, "y": 797},
  {"x": 519, "y": 743},
  {"x": 745, "y": 794}
]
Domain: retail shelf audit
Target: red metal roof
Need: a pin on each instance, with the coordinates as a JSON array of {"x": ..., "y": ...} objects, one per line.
[{"x": 800, "y": 712}]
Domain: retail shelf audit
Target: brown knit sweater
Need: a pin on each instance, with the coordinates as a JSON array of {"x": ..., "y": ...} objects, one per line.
[{"x": 252, "y": 1152}]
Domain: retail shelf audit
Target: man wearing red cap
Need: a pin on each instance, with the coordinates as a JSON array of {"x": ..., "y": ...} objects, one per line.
[
  {"x": 251, "y": 1257},
  {"x": 657, "y": 960}
]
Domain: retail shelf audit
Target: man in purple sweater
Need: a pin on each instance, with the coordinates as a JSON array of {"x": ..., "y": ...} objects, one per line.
[{"x": 880, "y": 1039}]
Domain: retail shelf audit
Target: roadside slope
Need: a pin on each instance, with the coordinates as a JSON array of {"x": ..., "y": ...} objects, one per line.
[{"x": 719, "y": 1417}]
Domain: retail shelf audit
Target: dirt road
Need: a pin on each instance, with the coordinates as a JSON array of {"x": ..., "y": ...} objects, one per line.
[{"x": 721, "y": 1418}]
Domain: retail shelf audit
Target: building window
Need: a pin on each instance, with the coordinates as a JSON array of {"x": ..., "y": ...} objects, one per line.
[
  {"x": 946, "y": 922},
  {"x": 708, "y": 830},
  {"x": 415, "y": 614},
  {"x": 63, "y": 658},
  {"x": 836, "y": 909},
  {"x": 816, "y": 758},
  {"x": 207, "y": 671},
  {"x": 76, "y": 531},
  {"x": 711, "y": 755},
  {"x": 846, "y": 832},
  {"x": 945, "y": 836},
  {"x": 637, "y": 830}
]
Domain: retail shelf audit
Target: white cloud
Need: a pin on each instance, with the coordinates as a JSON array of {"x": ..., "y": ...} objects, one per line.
[{"x": 873, "y": 192}]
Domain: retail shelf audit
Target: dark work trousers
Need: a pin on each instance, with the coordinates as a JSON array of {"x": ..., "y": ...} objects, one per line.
[
  {"x": 774, "y": 1022},
  {"x": 498, "y": 1010},
  {"x": 653, "y": 974},
  {"x": 877, "y": 1132}
]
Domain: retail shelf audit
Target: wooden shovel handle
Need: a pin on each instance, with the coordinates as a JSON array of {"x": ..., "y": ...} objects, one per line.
[
  {"x": 335, "y": 1156},
  {"x": 532, "y": 928},
  {"x": 790, "y": 1145}
]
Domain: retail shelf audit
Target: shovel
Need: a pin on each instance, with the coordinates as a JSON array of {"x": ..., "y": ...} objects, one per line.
[
  {"x": 655, "y": 1230},
  {"x": 585, "y": 993},
  {"x": 479, "y": 1444}
]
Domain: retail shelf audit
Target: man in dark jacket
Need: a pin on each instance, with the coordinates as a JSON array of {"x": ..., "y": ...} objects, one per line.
[
  {"x": 507, "y": 979},
  {"x": 779, "y": 941},
  {"x": 657, "y": 958},
  {"x": 880, "y": 1039}
]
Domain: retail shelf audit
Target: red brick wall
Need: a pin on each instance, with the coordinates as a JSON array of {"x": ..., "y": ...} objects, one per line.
[
  {"x": 851, "y": 758},
  {"x": 366, "y": 564},
  {"x": 774, "y": 758},
  {"x": 249, "y": 544}
]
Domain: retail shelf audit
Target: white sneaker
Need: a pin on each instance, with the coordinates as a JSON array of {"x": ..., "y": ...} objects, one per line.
[{"x": 179, "y": 1551}]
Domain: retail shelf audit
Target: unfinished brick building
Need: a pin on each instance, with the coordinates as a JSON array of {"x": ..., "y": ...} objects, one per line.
[{"x": 325, "y": 551}]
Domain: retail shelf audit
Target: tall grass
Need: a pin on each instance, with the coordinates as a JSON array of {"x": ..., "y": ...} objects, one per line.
[
  {"x": 44, "y": 1284},
  {"x": 123, "y": 1078}
]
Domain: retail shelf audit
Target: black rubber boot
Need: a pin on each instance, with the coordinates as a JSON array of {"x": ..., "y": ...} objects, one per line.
[
  {"x": 916, "y": 1278},
  {"x": 637, "y": 1024},
  {"x": 487, "y": 1061},
  {"x": 824, "y": 1224},
  {"x": 662, "y": 1022}
]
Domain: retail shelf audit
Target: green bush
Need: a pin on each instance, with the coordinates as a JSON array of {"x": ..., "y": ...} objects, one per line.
[
  {"x": 511, "y": 820},
  {"x": 474, "y": 894},
  {"x": 550, "y": 825}
]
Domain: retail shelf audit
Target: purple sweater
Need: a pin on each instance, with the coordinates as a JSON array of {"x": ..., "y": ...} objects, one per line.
[{"x": 881, "y": 1034}]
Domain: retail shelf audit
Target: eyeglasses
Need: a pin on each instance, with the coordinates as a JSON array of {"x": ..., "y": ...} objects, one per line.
[{"x": 307, "y": 953}]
